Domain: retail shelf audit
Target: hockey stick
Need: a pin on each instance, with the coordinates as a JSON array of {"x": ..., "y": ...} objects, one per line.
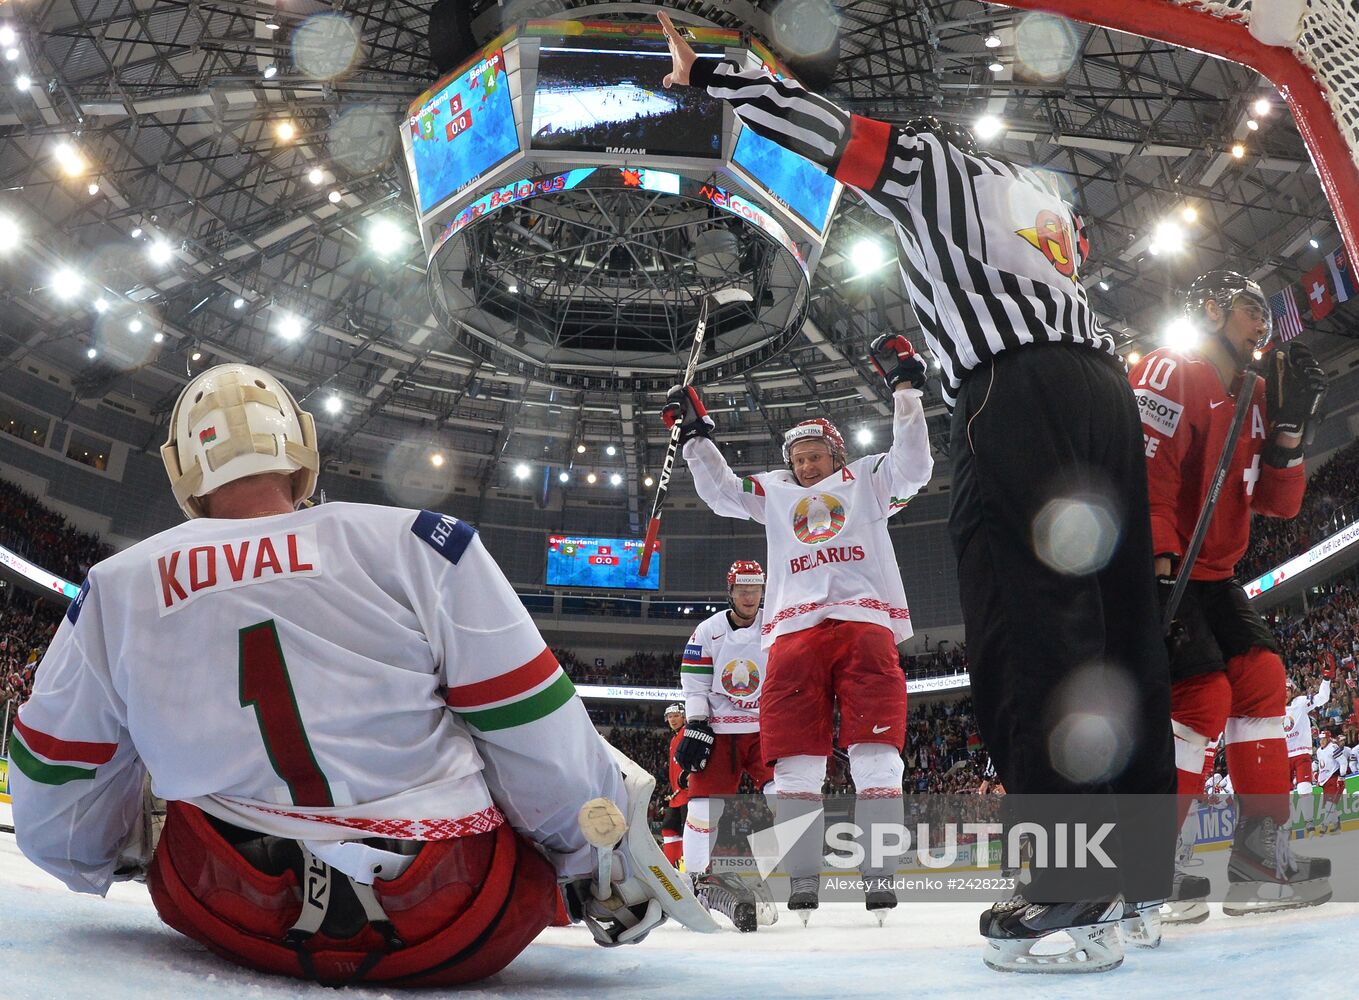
[
  {"x": 1245, "y": 396},
  {"x": 653, "y": 528}
]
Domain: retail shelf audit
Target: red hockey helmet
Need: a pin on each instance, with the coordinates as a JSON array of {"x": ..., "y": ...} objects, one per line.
[
  {"x": 745, "y": 571},
  {"x": 817, "y": 427}
]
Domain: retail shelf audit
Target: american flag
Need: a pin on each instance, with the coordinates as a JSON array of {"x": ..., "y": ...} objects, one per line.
[{"x": 1287, "y": 321}]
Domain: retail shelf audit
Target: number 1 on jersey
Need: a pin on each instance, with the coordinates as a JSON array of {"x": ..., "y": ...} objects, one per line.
[{"x": 265, "y": 685}]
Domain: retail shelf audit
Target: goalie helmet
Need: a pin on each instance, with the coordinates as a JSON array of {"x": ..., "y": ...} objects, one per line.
[
  {"x": 745, "y": 571},
  {"x": 1224, "y": 288},
  {"x": 234, "y": 421},
  {"x": 818, "y": 427}
]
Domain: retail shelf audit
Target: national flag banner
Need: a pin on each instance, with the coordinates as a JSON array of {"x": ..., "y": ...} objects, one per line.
[
  {"x": 974, "y": 741},
  {"x": 1287, "y": 320},
  {"x": 1342, "y": 278},
  {"x": 1318, "y": 294}
]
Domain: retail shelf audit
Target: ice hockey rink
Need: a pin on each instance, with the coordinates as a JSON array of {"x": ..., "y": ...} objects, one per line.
[
  {"x": 55, "y": 945},
  {"x": 572, "y": 110}
]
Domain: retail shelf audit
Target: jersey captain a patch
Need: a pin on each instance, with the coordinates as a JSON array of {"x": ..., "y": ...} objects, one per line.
[{"x": 444, "y": 533}]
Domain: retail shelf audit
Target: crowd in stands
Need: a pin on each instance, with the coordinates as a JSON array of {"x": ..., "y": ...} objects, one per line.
[
  {"x": 27, "y": 624},
  {"x": 44, "y": 537},
  {"x": 1330, "y": 504}
]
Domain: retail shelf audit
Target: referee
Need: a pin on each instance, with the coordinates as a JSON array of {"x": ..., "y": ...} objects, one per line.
[{"x": 990, "y": 256}]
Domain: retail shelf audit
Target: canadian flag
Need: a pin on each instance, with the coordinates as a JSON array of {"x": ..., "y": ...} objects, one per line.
[{"x": 1318, "y": 292}]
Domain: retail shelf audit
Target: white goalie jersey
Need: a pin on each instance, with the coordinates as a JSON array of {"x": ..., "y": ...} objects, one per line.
[
  {"x": 830, "y": 555},
  {"x": 331, "y": 674},
  {"x": 722, "y": 672}
]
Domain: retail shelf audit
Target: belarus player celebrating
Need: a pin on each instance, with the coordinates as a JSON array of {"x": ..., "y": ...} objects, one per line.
[
  {"x": 371, "y": 757},
  {"x": 835, "y": 607},
  {"x": 721, "y": 673},
  {"x": 1224, "y": 662},
  {"x": 1298, "y": 735}
]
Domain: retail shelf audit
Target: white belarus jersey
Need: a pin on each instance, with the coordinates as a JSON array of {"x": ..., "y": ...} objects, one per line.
[
  {"x": 1351, "y": 763},
  {"x": 722, "y": 672},
  {"x": 829, "y": 552},
  {"x": 1298, "y": 719},
  {"x": 335, "y": 673},
  {"x": 1330, "y": 761}
]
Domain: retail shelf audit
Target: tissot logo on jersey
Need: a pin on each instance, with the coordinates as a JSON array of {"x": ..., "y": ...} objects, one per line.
[
  {"x": 182, "y": 575},
  {"x": 1158, "y": 413}
]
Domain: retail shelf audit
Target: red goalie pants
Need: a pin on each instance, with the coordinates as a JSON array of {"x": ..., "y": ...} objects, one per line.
[
  {"x": 853, "y": 663},
  {"x": 733, "y": 754},
  {"x": 461, "y": 912}
]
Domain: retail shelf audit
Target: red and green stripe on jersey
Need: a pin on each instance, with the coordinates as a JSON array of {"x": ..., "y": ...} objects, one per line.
[
  {"x": 752, "y": 485},
  {"x": 50, "y": 760},
  {"x": 694, "y": 662},
  {"x": 515, "y": 698}
]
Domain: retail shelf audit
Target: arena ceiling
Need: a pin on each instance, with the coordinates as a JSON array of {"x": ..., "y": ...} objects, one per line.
[{"x": 142, "y": 159}]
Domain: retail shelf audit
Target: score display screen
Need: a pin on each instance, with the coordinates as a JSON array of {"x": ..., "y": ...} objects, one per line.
[
  {"x": 462, "y": 131},
  {"x": 793, "y": 181},
  {"x": 596, "y": 95},
  {"x": 576, "y": 561}
]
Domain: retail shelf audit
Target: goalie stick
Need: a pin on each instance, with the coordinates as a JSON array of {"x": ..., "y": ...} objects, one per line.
[
  {"x": 1245, "y": 395},
  {"x": 653, "y": 528}
]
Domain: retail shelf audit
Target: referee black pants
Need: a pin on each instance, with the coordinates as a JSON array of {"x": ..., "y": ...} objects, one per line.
[{"x": 1069, "y": 669}]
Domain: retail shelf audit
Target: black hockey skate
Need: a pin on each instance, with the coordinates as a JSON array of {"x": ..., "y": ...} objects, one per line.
[
  {"x": 1187, "y": 903},
  {"x": 879, "y": 897},
  {"x": 1265, "y": 875},
  {"x": 804, "y": 895},
  {"x": 1029, "y": 938},
  {"x": 728, "y": 895}
]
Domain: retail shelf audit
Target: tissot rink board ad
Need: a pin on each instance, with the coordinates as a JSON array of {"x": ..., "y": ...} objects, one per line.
[
  {"x": 464, "y": 130},
  {"x": 601, "y": 96},
  {"x": 576, "y": 561}
]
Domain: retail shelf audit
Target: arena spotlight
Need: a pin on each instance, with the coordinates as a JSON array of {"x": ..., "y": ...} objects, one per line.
[
  {"x": 316, "y": 175},
  {"x": 334, "y": 197},
  {"x": 563, "y": 477},
  {"x": 1189, "y": 213},
  {"x": 648, "y": 482},
  {"x": 23, "y": 81},
  {"x": 1180, "y": 334},
  {"x": 136, "y": 233},
  {"x": 10, "y": 233},
  {"x": 386, "y": 237},
  {"x": 11, "y": 54},
  {"x": 134, "y": 326},
  {"x": 158, "y": 337},
  {"x": 1167, "y": 237},
  {"x": 160, "y": 252},
  {"x": 864, "y": 436},
  {"x": 70, "y": 160},
  {"x": 580, "y": 449},
  {"x": 289, "y": 326},
  {"x": 615, "y": 479},
  {"x": 996, "y": 67},
  {"x": 987, "y": 127},
  {"x": 991, "y": 41},
  {"x": 591, "y": 478},
  {"x": 333, "y": 405},
  {"x": 611, "y": 451},
  {"x": 196, "y": 356},
  {"x": 101, "y": 305},
  {"x": 436, "y": 460},
  {"x": 521, "y": 471},
  {"x": 1133, "y": 358},
  {"x": 93, "y": 188},
  {"x": 1238, "y": 151},
  {"x": 7, "y": 35},
  {"x": 867, "y": 255},
  {"x": 1252, "y": 124},
  {"x": 1314, "y": 244},
  {"x": 270, "y": 71},
  {"x": 286, "y": 131},
  {"x": 1262, "y": 107},
  {"x": 91, "y": 354},
  {"x": 238, "y": 303},
  {"x": 1104, "y": 286},
  {"x": 66, "y": 283}
]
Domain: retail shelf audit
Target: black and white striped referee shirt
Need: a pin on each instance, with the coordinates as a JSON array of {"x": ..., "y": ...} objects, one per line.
[{"x": 990, "y": 253}]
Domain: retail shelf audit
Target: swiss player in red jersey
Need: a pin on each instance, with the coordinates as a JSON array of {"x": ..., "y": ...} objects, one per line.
[
  {"x": 672, "y": 823},
  {"x": 1225, "y": 667}
]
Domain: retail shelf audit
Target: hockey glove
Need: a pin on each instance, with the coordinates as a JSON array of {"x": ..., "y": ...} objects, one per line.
[
  {"x": 696, "y": 747},
  {"x": 1295, "y": 390},
  {"x": 683, "y": 406},
  {"x": 1177, "y": 635},
  {"x": 896, "y": 361}
]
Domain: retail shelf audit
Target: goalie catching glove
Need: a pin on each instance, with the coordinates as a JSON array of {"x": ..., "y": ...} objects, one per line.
[
  {"x": 896, "y": 361},
  {"x": 684, "y": 407},
  {"x": 696, "y": 746}
]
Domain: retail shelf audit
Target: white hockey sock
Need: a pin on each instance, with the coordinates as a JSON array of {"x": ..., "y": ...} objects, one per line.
[
  {"x": 1307, "y": 804},
  {"x": 799, "y": 781},
  {"x": 699, "y": 830},
  {"x": 877, "y": 770}
]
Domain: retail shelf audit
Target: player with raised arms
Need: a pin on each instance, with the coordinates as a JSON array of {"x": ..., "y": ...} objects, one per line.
[
  {"x": 721, "y": 674},
  {"x": 835, "y": 609},
  {"x": 375, "y": 769}
]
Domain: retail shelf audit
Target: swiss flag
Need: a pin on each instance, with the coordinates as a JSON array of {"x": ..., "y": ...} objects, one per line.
[{"x": 1318, "y": 292}]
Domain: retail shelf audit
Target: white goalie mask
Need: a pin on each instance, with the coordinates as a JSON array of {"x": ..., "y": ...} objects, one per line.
[{"x": 234, "y": 421}]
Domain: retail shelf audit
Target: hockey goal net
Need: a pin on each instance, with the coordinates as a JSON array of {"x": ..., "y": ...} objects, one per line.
[{"x": 1308, "y": 50}]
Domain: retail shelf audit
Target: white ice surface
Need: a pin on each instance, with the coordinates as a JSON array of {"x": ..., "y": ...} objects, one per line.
[{"x": 56, "y": 944}]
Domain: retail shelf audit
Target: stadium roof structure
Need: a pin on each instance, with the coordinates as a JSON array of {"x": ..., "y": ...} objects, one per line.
[{"x": 191, "y": 168}]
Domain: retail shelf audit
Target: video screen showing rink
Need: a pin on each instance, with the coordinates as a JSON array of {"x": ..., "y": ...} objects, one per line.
[{"x": 593, "y": 98}]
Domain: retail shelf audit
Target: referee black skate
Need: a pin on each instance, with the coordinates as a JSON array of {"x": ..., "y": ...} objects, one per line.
[{"x": 991, "y": 257}]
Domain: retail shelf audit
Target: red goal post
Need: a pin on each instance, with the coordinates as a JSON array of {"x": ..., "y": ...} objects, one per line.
[{"x": 1317, "y": 74}]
